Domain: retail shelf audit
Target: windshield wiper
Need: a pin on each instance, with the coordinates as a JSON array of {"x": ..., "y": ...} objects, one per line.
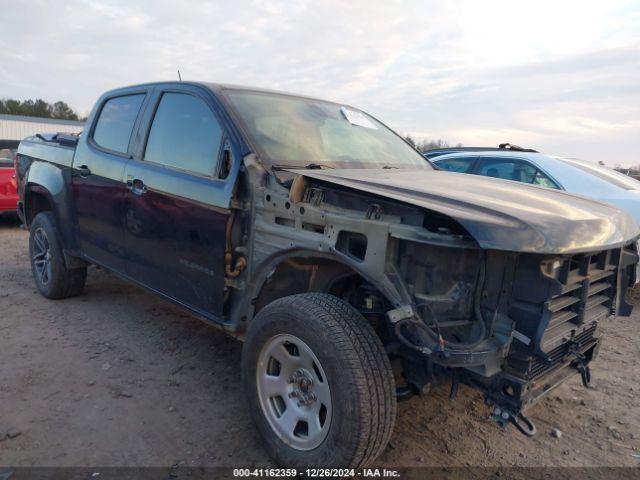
[{"x": 309, "y": 166}]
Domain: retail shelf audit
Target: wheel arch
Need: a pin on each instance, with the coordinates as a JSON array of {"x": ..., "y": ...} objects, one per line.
[
  {"x": 47, "y": 187},
  {"x": 37, "y": 199},
  {"x": 301, "y": 270}
]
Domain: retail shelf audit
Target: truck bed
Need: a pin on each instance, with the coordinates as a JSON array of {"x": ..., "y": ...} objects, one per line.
[{"x": 54, "y": 148}]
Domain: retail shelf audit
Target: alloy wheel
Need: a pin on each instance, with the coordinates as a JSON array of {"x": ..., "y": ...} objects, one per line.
[{"x": 42, "y": 256}]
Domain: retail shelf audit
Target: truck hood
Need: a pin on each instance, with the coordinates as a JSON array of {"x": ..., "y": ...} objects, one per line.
[
  {"x": 499, "y": 214},
  {"x": 627, "y": 201}
]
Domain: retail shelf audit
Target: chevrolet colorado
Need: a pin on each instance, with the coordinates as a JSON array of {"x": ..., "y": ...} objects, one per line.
[{"x": 355, "y": 273}]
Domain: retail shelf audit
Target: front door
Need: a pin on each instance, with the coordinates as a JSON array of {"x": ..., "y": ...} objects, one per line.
[
  {"x": 177, "y": 207},
  {"x": 98, "y": 179}
]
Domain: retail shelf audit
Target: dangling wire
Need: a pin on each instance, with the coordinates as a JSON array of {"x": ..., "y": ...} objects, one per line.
[{"x": 439, "y": 343}]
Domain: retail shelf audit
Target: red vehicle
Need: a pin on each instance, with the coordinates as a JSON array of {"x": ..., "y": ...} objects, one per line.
[{"x": 8, "y": 185}]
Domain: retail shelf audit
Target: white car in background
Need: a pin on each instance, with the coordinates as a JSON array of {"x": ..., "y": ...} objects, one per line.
[{"x": 527, "y": 166}]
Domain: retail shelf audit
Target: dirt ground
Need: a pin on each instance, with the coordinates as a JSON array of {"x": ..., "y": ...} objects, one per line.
[{"x": 117, "y": 377}]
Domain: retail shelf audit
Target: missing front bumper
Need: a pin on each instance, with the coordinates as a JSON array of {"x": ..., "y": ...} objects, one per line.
[{"x": 510, "y": 396}]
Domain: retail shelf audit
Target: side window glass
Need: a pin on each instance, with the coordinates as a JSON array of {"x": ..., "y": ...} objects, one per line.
[
  {"x": 544, "y": 181},
  {"x": 525, "y": 172},
  {"x": 460, "y": 165},
  {"x": 185, "y": 135},
  {"x": 499, "y": 168},
  {"x": 6, "y": 157},
  {"x": 115, "y": 122}
]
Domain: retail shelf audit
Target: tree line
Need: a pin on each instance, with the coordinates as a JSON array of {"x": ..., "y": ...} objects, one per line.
[
  {"x": 425, "y": 145},
  {"x": 38, "y": 108}
]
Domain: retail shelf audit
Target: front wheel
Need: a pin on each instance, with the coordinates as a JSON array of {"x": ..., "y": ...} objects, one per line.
[{"x": 319, "y": 383}]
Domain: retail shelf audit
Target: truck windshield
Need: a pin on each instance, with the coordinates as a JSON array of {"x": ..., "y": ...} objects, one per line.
[{"x": 294, "y": 131}]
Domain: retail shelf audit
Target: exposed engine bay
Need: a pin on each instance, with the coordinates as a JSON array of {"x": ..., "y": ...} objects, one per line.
[{"x": 512, "y": 324}]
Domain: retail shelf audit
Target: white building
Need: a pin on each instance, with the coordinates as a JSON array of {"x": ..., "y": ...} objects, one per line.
[{"x": 14, "y": 128}]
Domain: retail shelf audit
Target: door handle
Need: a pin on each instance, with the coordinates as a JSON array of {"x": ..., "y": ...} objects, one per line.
[
  {"x": 84, "y": 171},
  {"x": 137, "y": 186}
]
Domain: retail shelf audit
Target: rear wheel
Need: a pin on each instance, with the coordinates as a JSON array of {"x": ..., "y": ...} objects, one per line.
[
  {"x": 319, "y": 383},
  {"x": 53, "y": 278}
]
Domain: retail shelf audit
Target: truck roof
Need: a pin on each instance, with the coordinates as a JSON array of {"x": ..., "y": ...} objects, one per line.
[{"x": 219, "y": 87}]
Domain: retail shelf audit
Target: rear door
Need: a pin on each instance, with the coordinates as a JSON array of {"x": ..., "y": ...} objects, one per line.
[
  {"x": 177, "y": 204},
  {"x": 98, "y": 177}
]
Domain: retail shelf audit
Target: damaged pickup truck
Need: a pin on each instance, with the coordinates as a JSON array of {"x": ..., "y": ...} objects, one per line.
[{"x": 355, "y": 273}]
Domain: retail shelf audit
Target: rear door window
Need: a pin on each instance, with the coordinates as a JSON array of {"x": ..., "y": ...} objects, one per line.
[
  {"x": 458, "y": 164},
  {"x": 115, "y": 123},
  {"x": 185, "y": 134}
]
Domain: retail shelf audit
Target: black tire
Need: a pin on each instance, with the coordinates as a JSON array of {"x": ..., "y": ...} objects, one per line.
[
  {"x": 362, "y": 387},
  {"x": 58, "y": 281}
]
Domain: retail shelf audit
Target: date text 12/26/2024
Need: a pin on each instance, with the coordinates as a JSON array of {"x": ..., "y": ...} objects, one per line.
[{"x": 315, "y": 473}]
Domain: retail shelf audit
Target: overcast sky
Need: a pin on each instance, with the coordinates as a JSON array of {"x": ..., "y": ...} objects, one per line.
[{"x": 561, "y": 76}]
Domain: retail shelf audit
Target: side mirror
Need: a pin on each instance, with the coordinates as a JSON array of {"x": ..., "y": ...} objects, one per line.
[{"x": 226, "y": 164}]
